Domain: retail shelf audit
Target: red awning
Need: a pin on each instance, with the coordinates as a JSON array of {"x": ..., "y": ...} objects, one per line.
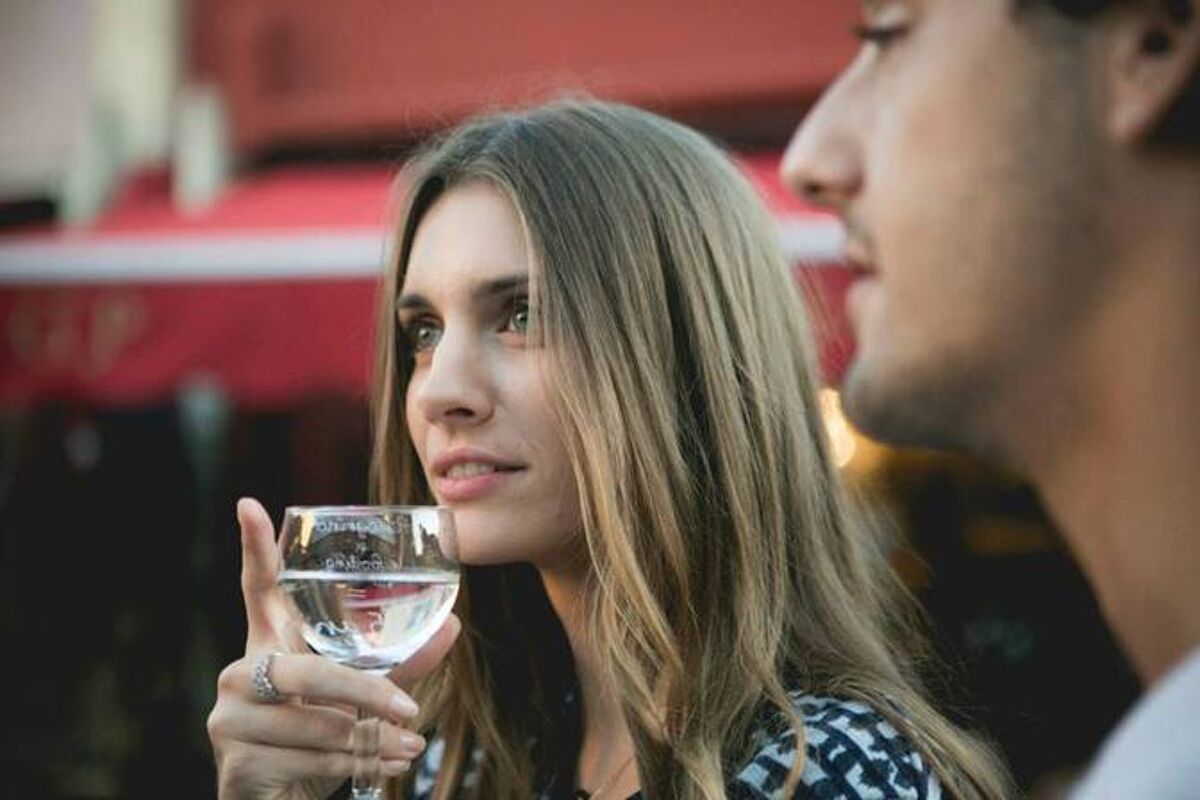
[{"x": 270, "y": 292}]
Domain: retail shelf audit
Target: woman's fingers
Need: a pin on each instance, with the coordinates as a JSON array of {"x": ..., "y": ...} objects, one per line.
[
  {"x": 292, "y": 638},
  {"x": 309, "y": 727},
  {"x": 319, "y": 680},
  {"x": 427, "y": 659},
  {"x": 263, "y": 748},
  {"x": 254, "y": 764},
  {"x": 260, "y": 572}
]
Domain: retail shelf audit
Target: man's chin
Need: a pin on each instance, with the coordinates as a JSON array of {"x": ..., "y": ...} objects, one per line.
[{"x": 900, "y": 410}]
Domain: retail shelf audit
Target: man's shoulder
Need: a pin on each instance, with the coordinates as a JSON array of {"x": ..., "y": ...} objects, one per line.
[
  {"x": 851, "y": 751},
  {"x": 1155, "y": 751}
]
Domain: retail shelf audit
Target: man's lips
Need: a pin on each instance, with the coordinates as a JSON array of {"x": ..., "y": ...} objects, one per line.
[
  {"x": 860, "y": 271},
  {"x": 859, "y": 262},
  {"x": 862, "y": 294}
]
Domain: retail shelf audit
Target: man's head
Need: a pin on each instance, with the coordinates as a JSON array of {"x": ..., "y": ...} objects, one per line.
[
  {"x": 1180, "y": 124},
  {"x": 987, "y": 157}
]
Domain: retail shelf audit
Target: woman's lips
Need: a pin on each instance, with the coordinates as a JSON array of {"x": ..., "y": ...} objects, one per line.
[
  {"x": 461, "y": 474},
  {"x": 460, "y": 486}
]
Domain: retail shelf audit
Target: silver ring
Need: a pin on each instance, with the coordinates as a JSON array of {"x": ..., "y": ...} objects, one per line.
[{"x": 264, "y": 690}]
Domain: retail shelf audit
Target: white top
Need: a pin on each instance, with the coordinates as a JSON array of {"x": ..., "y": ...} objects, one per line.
[{"x": 1155, "y": 750}]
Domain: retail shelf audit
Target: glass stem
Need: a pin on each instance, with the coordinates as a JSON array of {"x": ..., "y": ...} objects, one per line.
[{"x": 367, "y": 784}]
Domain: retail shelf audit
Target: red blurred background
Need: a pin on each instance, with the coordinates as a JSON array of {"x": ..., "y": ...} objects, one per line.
[{"x": 193, "y": 204}]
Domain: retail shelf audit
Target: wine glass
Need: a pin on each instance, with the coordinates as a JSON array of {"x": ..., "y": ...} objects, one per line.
[{"x": 369, "y": 586}]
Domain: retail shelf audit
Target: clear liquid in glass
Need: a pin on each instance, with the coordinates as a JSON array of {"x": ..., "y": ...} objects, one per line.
[{"x": 370, "y": 620}]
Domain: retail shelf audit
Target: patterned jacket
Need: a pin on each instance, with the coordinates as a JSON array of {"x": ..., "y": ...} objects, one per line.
[{"x": 852, "y": 753}]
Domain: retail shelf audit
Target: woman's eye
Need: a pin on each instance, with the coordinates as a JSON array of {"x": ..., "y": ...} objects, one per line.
[
  {"x": 518, "y": 320},
  {"x": 421, "y": 335}
]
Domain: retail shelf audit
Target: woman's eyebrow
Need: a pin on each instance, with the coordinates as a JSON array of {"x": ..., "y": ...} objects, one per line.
[
  {"x": 408, "y": 302},
  {"x": 514, "y": 284},
  {"x": 509, "y": 285}
]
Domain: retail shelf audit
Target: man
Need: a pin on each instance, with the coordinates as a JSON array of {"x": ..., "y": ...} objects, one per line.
[{"x": 1020, "y": 182}]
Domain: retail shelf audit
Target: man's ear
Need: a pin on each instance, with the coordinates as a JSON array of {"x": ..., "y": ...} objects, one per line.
[{"x": 1155, "y": 56}]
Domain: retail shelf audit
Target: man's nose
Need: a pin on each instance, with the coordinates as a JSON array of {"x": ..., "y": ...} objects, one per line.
[{"x": 823, "y": 162}]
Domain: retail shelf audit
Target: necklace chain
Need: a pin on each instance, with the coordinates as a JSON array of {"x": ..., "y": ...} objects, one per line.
[{"x": 583, "y": 794}]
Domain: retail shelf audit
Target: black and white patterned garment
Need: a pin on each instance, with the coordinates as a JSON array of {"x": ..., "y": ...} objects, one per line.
[{"x": 853, "y": 753}]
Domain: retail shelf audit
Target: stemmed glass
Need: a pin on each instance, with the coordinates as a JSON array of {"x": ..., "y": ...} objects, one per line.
[{"x": 369, "y": 586}]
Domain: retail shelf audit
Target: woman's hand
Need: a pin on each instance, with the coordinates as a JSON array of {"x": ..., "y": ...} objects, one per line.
[{"x": 300, "y": 747}]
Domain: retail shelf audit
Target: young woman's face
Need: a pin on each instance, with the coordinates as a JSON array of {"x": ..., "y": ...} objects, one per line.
[{"x": 477, "y": 404}]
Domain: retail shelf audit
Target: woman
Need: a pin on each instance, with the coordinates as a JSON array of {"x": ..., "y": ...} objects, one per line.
[{"x": 594, "y": 353}]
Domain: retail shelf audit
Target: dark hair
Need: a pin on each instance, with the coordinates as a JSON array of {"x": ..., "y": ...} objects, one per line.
[{"x": 1180, "y": 126}]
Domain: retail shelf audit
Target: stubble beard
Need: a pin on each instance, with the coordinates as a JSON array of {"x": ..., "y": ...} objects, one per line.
[
  {"x": 1050, "y": 255},
  {"x": 940, "y": 409}
]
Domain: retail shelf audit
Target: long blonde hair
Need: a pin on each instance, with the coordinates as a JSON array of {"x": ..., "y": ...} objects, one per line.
[{"x": 726, "y": 567}]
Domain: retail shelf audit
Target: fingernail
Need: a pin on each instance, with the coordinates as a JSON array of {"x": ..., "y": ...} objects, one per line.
[
  {"x": 242, "y": 510},
  {"x": 394, "y": 768},
  {"x": 412, "y": 742},
  {"x": 404, "y": 707}
]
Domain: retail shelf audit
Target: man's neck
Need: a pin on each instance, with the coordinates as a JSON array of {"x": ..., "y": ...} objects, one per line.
[{"x": 1124, "y": 482}]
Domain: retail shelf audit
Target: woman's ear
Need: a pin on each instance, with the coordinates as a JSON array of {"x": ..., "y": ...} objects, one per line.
[{"x": 1155, "y": 56}]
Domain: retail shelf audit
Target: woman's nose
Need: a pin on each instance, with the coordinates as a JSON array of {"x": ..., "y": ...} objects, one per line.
[{"x": 454, "y": 388}]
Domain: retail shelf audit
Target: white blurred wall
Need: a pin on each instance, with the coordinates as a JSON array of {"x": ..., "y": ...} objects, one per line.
[
  {"x": 138, "y": 62},
  {"x": 45, "y": 52},
  {"x": 86, "y": 92}
]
